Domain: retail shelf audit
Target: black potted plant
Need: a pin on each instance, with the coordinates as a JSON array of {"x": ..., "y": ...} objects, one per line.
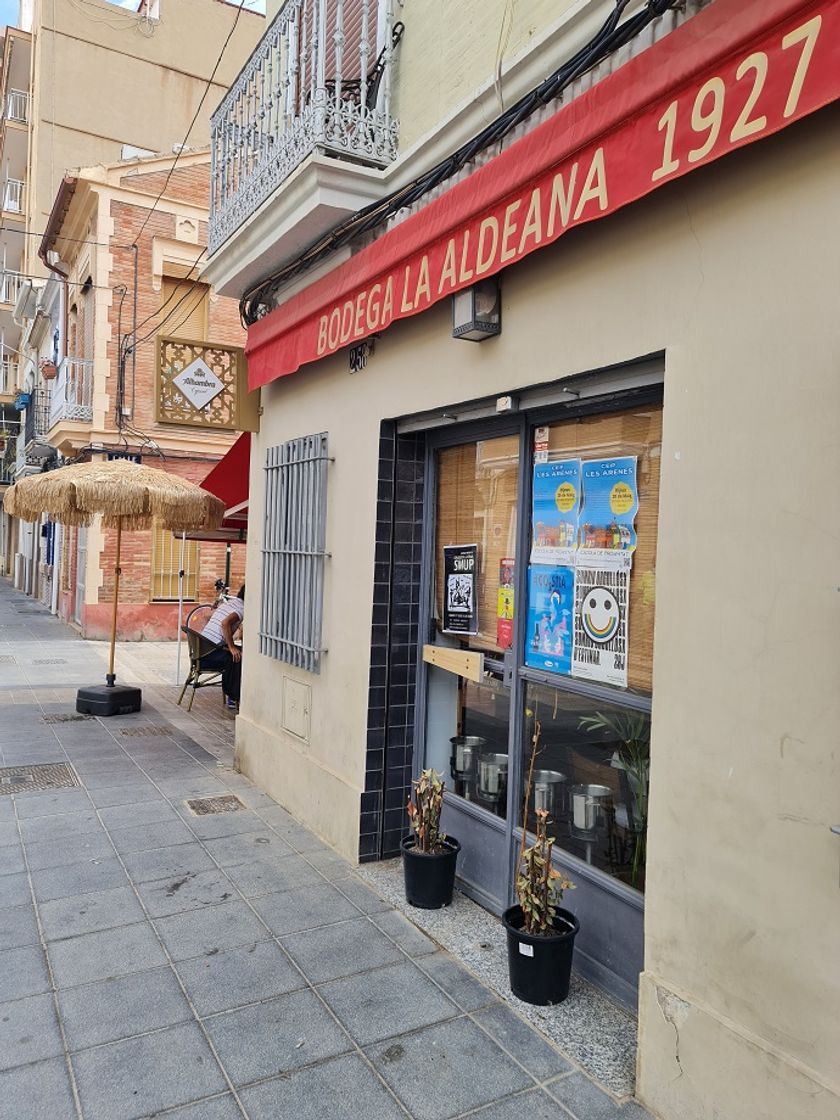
[
  {"x": 429, "y": 857},
  {"x": 540, "y": 934}
]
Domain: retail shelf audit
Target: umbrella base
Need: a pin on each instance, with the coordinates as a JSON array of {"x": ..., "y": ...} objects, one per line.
[{"x": 109, "y": 700}]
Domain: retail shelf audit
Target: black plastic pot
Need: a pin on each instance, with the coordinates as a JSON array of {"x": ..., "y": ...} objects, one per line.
[
  {"x": 540, "y": 967},
  {"x": 429, "y": 876}
]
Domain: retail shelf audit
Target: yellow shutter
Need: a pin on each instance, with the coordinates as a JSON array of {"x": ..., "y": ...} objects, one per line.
[
  {"x": 185, "y": 303},
  {"x": 166, "y": 561}
]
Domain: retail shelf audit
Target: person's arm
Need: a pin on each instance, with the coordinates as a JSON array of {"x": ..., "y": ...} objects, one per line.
[{"x": 229, "y": 627}]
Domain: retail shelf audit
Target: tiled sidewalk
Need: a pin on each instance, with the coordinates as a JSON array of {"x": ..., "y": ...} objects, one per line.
[{"x": 158, "y": 963}]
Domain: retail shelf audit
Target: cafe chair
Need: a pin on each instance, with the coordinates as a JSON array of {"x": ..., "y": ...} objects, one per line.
[{"x": 199, "y": 647}]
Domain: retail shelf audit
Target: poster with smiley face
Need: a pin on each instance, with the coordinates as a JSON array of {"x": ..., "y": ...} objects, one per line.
[{"x": 599, "y": 650}]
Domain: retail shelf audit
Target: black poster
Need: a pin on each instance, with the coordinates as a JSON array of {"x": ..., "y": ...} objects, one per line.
[{"x": 460, "y": 564}]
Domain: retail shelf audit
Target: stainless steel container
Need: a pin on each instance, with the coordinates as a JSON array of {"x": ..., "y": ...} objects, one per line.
[
  {"x": 588, "y": 807},
  {"x": 492, "y": 775},
  {"x": 465, "y": 750},
  {"x": 550, "y": 792}
]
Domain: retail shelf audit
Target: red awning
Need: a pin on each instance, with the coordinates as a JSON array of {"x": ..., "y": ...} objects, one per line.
[{"x": 228, "y": 480}]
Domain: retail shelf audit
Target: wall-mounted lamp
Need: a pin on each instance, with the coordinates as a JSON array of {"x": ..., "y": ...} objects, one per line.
[{"x": 477, "y": 311}]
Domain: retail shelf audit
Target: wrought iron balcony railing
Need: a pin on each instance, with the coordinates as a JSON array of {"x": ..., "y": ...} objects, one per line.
[
  {"x": 13, "y": 194},
  {"x": 320, "y": 80},
  {"x": 36, "y": 422},
  {"x": 71, "y": 395},
  {"x": 17, "y": 106}
]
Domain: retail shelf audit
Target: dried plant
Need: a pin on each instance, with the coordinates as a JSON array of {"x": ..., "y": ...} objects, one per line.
[
  {"x": 424, "y": 808},
  {"x": 539, "y": 886}
]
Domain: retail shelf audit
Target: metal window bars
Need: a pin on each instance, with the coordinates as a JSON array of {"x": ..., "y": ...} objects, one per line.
[{"x": 293, "y": 552}]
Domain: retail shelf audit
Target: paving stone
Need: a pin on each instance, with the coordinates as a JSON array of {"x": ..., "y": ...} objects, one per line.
[
  {"x": 459, "y": 984},
  {"x": 134, "y": 814},
  {"x": 583, "y": 1098},
  {"x": 331, "y": 1090},
  {"x": 210, "y": 930},
  {"x": 191, "y": 891},
  {"x": 239, "y": 976},
  {"x": 40, "y": 1091},
  {"x": 23, "y": 972},
  {"x": 267, "y": 1039},
  {"x": 367, "y": 900},
  {"x": 14, "y": 890},
  {"x": 409, "y": 938},
  {"x": 522, "y": 1041},
  {"x": 341, "y": 950},
  {"x": 255, "y": 879},
  {"x": 85, "y": 913},
  {"x": 94, "y": 776},
  {"x": 304, "y": 908},
  {"x": 217, "y": 825},
  {"x": 122, "y": 1007},
  {"x": 219, "y": 1108},
  {"x": 447, "y": 1069},
  {"x": 11, "y": 861},
  {"x": 84, "y": 878},
  {"x": 264, "y": 846},
  {"x": 160, "y": 863},
  {"x": 97, "y": 956},
  {"x": 331, "y": 865},
  {"x": 390, "y": 1001},
  {"x": 145, "y": 837},
  {"x": 177, "y": 789},
  {"x": 9, "y": 835},
  {"x": 41, "y": 830},
  {"x": 30, "y": 805},
  {"x": 18, "y": 927},
  {"x": 131, "y": 793},
  {"x": 141, "y": 1076},
  {"x": 535, "y": 1105},
  {"x": 72, "y": 849},
  {"x": 28, "y": 1031}
]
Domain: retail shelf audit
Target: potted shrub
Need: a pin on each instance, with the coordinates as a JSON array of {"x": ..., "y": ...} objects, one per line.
[
  {"x": 48, "y": 369},
  {"x": 429, "y": 857},
  {"x": 540, "y": 934}
]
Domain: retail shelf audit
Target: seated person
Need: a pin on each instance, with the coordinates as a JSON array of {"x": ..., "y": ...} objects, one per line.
[{"x": 223, "y": 624}]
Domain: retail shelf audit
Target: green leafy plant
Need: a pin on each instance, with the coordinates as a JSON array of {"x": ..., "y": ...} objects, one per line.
[
  {"x": 631, "y": 732},
  {"x": 539, "y": 885},
  {"x": 424, "y": 808}
]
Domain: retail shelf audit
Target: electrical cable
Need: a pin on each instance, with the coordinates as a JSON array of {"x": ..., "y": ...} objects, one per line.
[
  {"x": 172, "y": 294},
  {"x": 257, "y": 300},
  {"x": 195, "y": 118}
]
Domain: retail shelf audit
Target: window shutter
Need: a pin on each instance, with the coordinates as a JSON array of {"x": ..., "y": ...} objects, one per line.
[{"x": 186, "y": 303}]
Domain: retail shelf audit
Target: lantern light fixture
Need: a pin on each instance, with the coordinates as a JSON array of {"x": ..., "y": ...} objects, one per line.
[{"x": 477, "y": 311}]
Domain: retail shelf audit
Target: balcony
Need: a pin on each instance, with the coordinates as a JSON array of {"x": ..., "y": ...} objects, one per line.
[
  {"x": 320, "y": 81},
  {"x": 36, "y": 422},
  {"x": 71, "y": 396},
  {"x": 13, "y": 195},
  {"x": 8, "y": 377},
  {"x": 17, "y": 106},
  {"x": 10, "y": 283}
]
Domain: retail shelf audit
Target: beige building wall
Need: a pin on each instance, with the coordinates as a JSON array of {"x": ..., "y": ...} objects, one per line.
[
  {"x": 730, "y": 272},
  {"x": 99, "y": 82}
]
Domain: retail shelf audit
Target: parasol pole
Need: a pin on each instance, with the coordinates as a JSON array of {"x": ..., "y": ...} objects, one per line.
[
  {"x": 110, "y": 678},
  {"x": 180, "y": 607}
]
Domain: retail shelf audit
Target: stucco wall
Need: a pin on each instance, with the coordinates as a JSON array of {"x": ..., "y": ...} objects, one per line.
[{"x": 733, "y": 273}]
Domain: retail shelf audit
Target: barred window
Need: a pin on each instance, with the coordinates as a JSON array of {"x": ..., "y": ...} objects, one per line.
[{"x": 293, "y": 551}]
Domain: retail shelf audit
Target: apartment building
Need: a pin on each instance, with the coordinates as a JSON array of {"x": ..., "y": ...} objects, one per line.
[
  {"x": 548, "y": 368},
  {"x": 81, "y": 85}
]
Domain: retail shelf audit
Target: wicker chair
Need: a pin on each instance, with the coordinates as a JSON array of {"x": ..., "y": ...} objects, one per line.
[{"x": 199, "y": 647}]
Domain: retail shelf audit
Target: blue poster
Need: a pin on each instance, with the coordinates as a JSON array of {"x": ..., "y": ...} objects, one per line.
[
  {"x": 555, "y": 510},
  {"x": 551, "y": 601},
  {"x": 610, "y": 504}
]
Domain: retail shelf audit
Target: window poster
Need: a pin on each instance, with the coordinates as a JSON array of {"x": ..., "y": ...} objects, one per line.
[
  {"x": 551, "y": 598},
  {"x": 610, "y": 503},
  {"x": 504, "y": 607},
  {"x": 555, "y": 511},
  {"x": 600, "y": 620},
  {"x": 460, "y": 567}
]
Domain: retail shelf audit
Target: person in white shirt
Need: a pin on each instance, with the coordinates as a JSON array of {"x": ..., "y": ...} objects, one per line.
[{"x": 220, "y": 629}]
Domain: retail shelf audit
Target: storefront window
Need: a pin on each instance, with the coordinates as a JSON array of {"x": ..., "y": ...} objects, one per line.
[
  {"x": 590, "y": 772},
  {"x": 591, "y": 595}
]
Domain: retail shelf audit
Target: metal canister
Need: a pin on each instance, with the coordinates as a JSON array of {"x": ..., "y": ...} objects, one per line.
[
  {"x": 492, "y": 775},
  {"x": 550, "y": 792},
  {"x": 588, "y": 805},
  {"x": 465, "y": 749}
]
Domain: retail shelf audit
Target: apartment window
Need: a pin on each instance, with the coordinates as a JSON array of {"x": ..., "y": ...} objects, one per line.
[
  {"x": 184, "y": 304},
  {"x": 293, "y": 552},
  {"x": 166, "y": 564}
]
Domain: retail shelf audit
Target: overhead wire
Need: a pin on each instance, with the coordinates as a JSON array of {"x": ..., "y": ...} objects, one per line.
[{"x": 614, "y": 34}]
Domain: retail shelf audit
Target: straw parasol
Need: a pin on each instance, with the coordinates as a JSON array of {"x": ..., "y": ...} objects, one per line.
[{"x": 127, "y": 495}]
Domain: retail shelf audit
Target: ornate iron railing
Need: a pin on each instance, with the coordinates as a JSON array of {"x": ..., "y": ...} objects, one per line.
[
  {"x": 320, "y": 80},
  {"x": 71, "y": 397},
  {"x": 37, "y": 421}
]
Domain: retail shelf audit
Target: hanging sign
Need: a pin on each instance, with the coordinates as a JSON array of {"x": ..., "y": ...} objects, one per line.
[
  {"x": 198, "y": 383},
  {"x": 733, "y": 74},
  {"x": 551, "y": 597},
  {"x": 600, "y": 620},
  {"x": 555, "y": 512},
  {"x": 504, "y": 606},
  {"x": 460, "y": 567}
]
